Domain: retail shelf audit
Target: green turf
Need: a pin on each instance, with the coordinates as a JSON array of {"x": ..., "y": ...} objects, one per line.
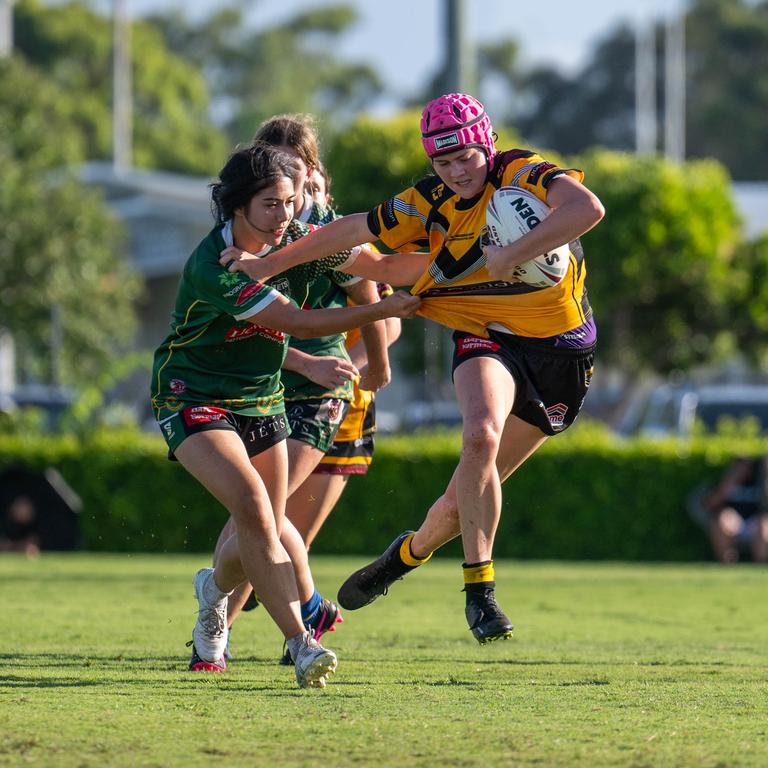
[{"x": 612, "y": 665}]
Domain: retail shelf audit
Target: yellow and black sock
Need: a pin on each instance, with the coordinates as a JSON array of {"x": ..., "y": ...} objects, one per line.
[
  {"x": 478, "y": 577},
  {"x": 406, "y": 553}
]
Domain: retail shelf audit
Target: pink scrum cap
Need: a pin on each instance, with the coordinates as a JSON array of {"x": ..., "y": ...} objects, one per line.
[{"x": 455, "y": 121}]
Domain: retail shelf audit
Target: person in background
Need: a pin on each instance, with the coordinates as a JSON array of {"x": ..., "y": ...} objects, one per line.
[
  {"x": 319, "y": 186},
  {"x": 352, "y": 450},
  {"x": 218, "y": 398},
  {"x": 735, "y": 511},
  {"x": 523, "y": 356},
  {"x": 18, "y": 527}
]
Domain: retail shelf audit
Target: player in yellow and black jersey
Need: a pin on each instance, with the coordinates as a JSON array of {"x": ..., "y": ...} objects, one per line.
[{"x": 522, "y": 355}]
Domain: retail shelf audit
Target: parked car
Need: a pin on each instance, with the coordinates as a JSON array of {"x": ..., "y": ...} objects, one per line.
[
  {"x": 678, "y": 410},
  {"x": 422, "y": 414}
]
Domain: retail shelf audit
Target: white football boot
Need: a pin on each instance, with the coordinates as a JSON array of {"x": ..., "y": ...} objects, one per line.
[
  {"x": 210, "y": 634},
  {"x": 313, "y": 663}
]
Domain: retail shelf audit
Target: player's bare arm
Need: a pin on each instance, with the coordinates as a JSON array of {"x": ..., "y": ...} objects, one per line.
[
  {"x": 377, "y": 372},
  {"x": 394, "y": 268},
  {"x": 282, "y": 315},
  {"x": 575, "y": 210},
  {"x": 327, "y": 371},
  {"x": 339, "y": 235}
]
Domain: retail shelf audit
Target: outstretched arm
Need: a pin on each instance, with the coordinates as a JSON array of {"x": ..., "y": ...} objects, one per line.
[
  {"x": 282, "y": 315},
  {"x": 392, "y": 268},
  {"x": 339, "y": 235},
  {"x": 378, "y": 373}
]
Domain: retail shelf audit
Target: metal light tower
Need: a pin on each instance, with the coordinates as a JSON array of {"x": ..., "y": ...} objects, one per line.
[
  {"x": 122, "y": 108},
  {"x": 645, "y": 87},
  {"x": 460, "y": 60},
  {"x": 6, "y": 28},
  {"x": 674, "y": 89}
]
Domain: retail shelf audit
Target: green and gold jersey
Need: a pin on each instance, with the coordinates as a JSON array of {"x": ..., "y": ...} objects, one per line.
[
  {"x": 456, "y": 288},
  {"x": 325, "y": 293},
  {"x": 215, "y": 354}
]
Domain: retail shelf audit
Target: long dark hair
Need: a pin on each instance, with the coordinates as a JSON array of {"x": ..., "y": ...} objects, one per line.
[{"x": 249, "y": 170}]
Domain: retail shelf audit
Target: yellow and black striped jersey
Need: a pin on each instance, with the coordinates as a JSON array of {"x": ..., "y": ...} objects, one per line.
[{"x": 456, "y": 288}]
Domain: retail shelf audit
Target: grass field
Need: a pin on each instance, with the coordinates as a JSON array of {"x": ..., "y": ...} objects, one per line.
[{"x": 612, "y": 665}]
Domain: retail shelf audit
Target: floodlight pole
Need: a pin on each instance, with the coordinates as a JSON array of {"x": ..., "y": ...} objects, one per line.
[
  {"x": 459, "y": 65},
  {"x": 122, "y": 107},
  {"x": 6, "y": 28},
  {"x": 645, "y": 87},
  {"x": 674, "y": 89}
]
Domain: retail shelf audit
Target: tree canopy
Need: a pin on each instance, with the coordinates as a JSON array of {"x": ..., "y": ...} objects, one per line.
[
  {"x": 286, "y": 68},
  {"x": 61, "y": 251},
  {"x": 726, "y": 90},
  {"x": 72, "y": 46},
  {"x": 665, "y": 270},
  {"x": 60, "y": 257}
]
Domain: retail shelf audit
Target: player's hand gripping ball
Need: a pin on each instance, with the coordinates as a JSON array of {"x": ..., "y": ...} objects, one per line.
[{"x": 511, "y": 213}]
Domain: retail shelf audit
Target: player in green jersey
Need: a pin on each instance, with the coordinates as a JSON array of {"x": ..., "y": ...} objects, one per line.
[
  {"x": 217, "y": 395},
  {"x": 317, "y": 373}
]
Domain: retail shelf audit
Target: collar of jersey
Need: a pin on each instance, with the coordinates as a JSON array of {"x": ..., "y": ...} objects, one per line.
[{"x": 229, "y": 240}]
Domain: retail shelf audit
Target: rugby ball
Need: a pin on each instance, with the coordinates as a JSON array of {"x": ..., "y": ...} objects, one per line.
[{"x": 511, "y": 213}]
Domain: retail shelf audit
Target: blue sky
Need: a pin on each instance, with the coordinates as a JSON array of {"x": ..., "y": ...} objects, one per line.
[{"x": 559, "y": 32}]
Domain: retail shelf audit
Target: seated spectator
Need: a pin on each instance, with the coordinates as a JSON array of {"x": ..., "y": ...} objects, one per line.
[
  {"x": 735, "y": 511},
  {"x": 18, "y": 528},
  {"x": 38, "y": 511}
]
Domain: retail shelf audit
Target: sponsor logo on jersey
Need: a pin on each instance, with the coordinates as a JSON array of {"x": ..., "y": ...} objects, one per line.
[
  {"x": 388, "y": 216},
  {"x": 475, "y": 343},
  {"x": 464, "y": 236},
  {"x": 449, "y": 140},
  {"x": 248, "y": 290},
  {"x": 437, "y": 192},
  {"x": 202, "y": 414},
  {"x": 556, "y": 415},
  {"x": 237, "y": 333},
  {"x": 177, "y": 386},
  {"x": 228, "y": 279},
  {"x": 538, "y": 171}
]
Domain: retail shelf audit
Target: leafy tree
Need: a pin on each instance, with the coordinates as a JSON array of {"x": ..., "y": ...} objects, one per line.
[
  {"x": 726, "y": 90},
  {"x": 72, "y": 46},
  {"x": 374, "y": 158},
  {"x": 727, "y": 61},
  {"x": 60, "y": 255},
  {"x": 289, "y": 67},
  {"x": 749, "y": 308},
  {"x": 663, "y": 267},
  {"x": 595, "y": 107},
  {"x": 34, "y": 123}
]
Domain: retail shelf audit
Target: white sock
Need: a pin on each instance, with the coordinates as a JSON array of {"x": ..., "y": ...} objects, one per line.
[
  {"x": 211, "y": 591},
  {"x": 295, "y": 642}
]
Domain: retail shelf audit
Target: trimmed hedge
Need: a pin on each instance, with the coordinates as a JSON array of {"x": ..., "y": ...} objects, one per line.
[{"x": 584, "y": 495}]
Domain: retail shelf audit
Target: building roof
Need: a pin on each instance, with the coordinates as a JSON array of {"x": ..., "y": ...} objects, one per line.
[{"x": 166, "y": 214}]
